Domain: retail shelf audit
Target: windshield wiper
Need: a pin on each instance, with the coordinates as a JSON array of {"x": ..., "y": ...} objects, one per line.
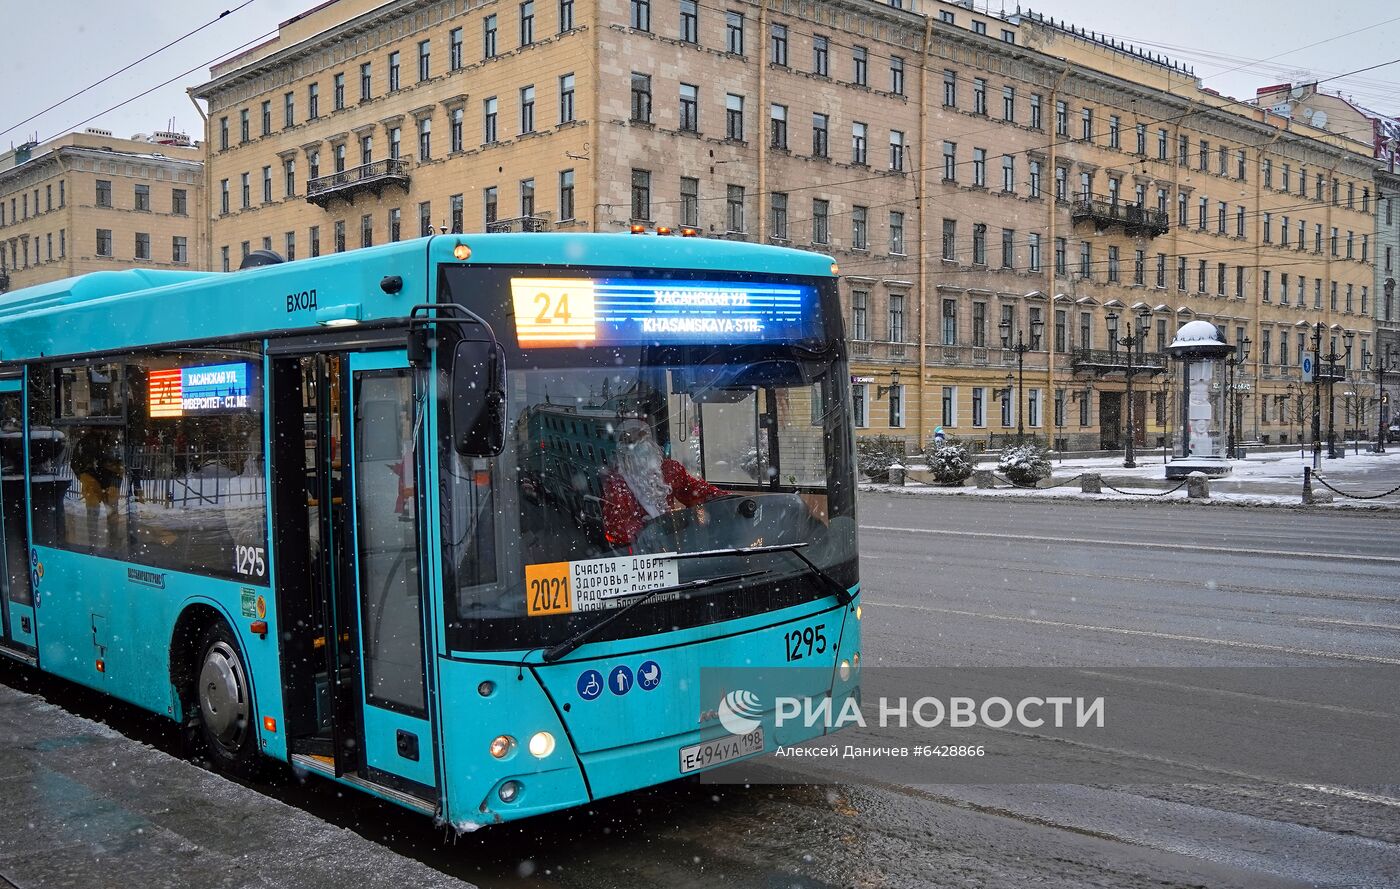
[
  {"x": 833, "y": 586},
  {"x": 555, "y": 652}
]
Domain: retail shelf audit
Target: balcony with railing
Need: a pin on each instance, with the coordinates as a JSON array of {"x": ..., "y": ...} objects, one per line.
[
  {"x": 1102, "y": 362},
  {"x": 371, "y": 178},
  {"x": 518, "y": 224},
  {"x": 1135, "y": 219}
]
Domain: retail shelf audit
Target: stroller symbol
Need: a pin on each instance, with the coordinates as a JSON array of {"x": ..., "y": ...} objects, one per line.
[{"x": 649, "y": 675}]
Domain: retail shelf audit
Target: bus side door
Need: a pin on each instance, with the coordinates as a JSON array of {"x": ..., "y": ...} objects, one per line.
[
  {"x": 16, "y": 593},
  {"x": 383, "y": 559}
]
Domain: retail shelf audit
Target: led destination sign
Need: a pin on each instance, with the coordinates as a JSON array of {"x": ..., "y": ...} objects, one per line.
[
  {"x": 556, "y": 312},
  {"x": 204, "y": 389}
]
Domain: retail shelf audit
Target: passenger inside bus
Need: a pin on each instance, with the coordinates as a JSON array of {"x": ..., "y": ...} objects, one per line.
[{"x": 97, "y": 464}]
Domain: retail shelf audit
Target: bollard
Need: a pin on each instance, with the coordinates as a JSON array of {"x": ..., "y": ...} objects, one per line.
[
  {"x": 1198, "y": 486},
  {"x": 1311, "y": 496},
  {"x": 1091, "y": 483},
  {"x": 897, "y": 474},
  {"x": 982, "y": 478}
]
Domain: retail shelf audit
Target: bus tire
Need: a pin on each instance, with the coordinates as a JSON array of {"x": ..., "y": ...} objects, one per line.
[{"x": 223, "y": 703}]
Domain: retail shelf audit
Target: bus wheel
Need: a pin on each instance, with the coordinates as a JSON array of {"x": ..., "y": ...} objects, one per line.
[{"x": 225, "y": 703}]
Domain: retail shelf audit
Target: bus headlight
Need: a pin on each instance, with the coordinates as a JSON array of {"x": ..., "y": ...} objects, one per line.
[
  {"x": 541, "y": 744},
  {"x": 509, "y": 791},
  {"x": 502, "y": 745},
  {"x": 845, "y": 671}
]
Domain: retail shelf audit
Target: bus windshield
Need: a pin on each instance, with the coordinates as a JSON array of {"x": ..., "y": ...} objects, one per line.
[{"x": 624, "y": 456}]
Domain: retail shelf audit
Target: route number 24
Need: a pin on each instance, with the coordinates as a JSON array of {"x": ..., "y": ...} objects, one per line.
[{"x": 805, "y": 642}]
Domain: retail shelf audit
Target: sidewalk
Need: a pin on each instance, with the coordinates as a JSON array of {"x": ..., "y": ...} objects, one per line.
[
  {"x": 82, "y": 806},
  {"x": 1273, "y": 478}
]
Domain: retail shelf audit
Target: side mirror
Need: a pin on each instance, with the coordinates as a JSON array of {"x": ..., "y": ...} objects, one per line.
[{"x": 478, "y": 399}]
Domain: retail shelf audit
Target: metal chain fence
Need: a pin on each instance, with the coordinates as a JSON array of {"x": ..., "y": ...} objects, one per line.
[{"x": 1322, "y": 481}]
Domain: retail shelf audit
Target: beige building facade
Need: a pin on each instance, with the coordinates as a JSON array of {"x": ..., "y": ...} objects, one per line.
[
  {"x": 88, "y": 201},
  {"x": 973, "y": 174}
]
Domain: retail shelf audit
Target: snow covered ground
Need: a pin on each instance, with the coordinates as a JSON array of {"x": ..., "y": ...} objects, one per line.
[{"x": 1262, "y": 479}]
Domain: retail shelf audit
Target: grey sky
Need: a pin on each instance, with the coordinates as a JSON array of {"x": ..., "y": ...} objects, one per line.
[{"x": 61, "y": 46}]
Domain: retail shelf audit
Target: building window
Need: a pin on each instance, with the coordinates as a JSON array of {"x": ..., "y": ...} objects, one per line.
[
  {"x": 1008, "y": 173},
  {"x": 859, "y": 391},
  {"x": 488, "y": 37},
  {"x": 641, "y": 195},
  {"x": 425, "y": 218},
  {"x": 735, "y": 207},
  {"x": 1086, "y": 124},
  {"x": 338, "y": 92},
  {"x": 950, "y": 234},
  {"x": 821, "y": 221},
  {"x": 223, "y": 196},
  {"x": 860, "y": 322},
  {"x": 859, "y": 140},
  {"x": 454, "y": 129},
  {"x": 454, "y": 56},
  {"x": 245, "y": 190},
  {"x": 821, "y": 56},
  {"x": 179, "y": 202},
  {"x": 734, "y": 117},
  {"x": 1114, "y": 131},
  {"x": 1034, "y": 246},
  {"x": 979, "y": 406},
  {"x": 1112, "y": 264},
  {"x": 313, "y": 101},
  {"x": 527, "y": 197},
  {"x": 456, "y": 212},
  {"x": 143, "y": 246},
  {"x": 779, "y": 218},
  {"x": 1141, "y": 131},
  {"x": 860, "y": 66},
  {"x": 859, "y": 228},
  {"x": 896, "y": 150},
  {"x": 979, "y": 167},
  {"x": 641, "y": 98},
  {"x": 896, "y": 309},
  {"x": 490, "y": 204},
  {"x": 267, "y": 184},
  {"x": 488, "y": 129},
  {"x": 690, "y": 30},
  {"x": 104, "y": 193},
  {"x": 527, "y": 23},
  {"x": 367, "y": 230},
  {"x": 104, "y": 242},
  {"x": 141, "y": 199},
  {"x": 950, "y": 322},
  {"x": 778, "y": 45},
  {"x": 527, "y": 109},
  {"x": 640, "y": 15},
  {"x": 1008, "y": 104},
  {"x": 777, "y": 126},
  {"x": 734, "y": 32},
  {"x": 819, "y": 135},
  {"x": 897, "y": 232},
  {"x": 979, "y": 244},
  {"x": 566, "y": 98},
  {"x": 950, "y": 406},
  {"x": 950, "y": 89},
  {"x": 979, "y": 95},
  {"x": 950, "y": 161},
  {"x": 690, "y": 108},
  {"x": 243, "y": 135},
  {"x": 690, "y": 201},
  {"x": 1008, "y": 248},
  {"x": 897, "y": 75}
]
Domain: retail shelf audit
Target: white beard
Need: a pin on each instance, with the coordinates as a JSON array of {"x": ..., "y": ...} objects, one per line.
[{"x": 640, "y": 465}]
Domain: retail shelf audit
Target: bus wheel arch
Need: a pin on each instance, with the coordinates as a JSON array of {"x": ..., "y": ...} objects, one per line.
[{"x": 210, "y": 675}]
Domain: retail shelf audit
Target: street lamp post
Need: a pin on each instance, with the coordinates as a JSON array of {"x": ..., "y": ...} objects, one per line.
[
  {"x": 1238, "y": 357},
  {"x": 1331, "y": 359},
  {"x": 1132, "y": 341},
  {"x": 1384, "y": 365},
  {"x": 1021, "y": 348}
]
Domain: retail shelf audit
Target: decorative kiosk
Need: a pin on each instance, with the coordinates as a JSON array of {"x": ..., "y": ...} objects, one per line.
[{"x": 1201, "y": 349}]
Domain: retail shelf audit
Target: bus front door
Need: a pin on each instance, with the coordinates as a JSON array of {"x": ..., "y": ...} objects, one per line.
[
  {"x": 381, "y": 560},
  {"x": 347, "y": 448},
  {"x": 16, "y": 594}
]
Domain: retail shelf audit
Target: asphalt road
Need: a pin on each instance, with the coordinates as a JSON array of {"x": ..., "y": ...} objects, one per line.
[{"x": 968, "y": 582}]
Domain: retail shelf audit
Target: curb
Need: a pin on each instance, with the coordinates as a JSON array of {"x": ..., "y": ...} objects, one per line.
[{"x": 937, "y": 490}]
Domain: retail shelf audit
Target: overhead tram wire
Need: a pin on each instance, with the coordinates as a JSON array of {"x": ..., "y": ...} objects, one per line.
[
  {"x": 220, "y": 17},
  {"x": 223, "y": 55}
]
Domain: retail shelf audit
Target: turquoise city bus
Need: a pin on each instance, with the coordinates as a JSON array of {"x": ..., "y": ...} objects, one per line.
[{"x": 458, "y": 521}]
